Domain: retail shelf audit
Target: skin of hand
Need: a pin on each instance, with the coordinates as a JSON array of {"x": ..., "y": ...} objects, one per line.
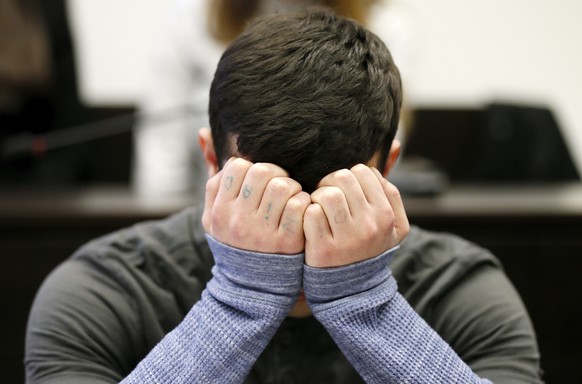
[
  {"x": 256, "y": 207},
  {"x": 355, "y": 215}
]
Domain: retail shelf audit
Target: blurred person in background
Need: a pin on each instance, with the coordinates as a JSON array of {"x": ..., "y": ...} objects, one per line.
[
  {"x": 38, "y": 90},
  {"x": 167, "y": 158}
]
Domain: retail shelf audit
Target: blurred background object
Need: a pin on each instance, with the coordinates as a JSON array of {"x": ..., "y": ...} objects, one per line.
[
  {"x": 38, "y": 85},
  {"x": 453, "y": 56},
  {"x": 503, "y": 144},
  {"x": 39, "y": 98}
]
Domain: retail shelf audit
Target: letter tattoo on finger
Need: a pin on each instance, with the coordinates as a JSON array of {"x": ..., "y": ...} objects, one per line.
[
  {"x": 289, "y": 225},
  {"x": 228, "y": 182},
  {"x": 340, "y": 217},
  {"x": 247, "y": 191},
  {"x": 268, "y": 211}
]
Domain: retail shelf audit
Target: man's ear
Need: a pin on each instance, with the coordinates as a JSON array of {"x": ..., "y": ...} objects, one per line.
[
  {"x": 207, "y": 147},
  {"x": 392, "y": 157}
]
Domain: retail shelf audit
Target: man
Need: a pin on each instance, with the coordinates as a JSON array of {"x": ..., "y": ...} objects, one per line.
[{"x": 298, "y": 220}]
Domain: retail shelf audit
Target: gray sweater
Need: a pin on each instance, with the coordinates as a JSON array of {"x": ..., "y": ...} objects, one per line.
[{"x": 133, "y": 304}]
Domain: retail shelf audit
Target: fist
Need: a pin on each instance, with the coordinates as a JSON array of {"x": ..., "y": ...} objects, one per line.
[
  {"x": 355, "y": 215},
  {"x": 255, "y": 207}
]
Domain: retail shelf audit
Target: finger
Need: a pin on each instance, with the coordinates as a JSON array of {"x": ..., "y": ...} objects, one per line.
[
  {"x": 255, "y": 182},
  {"x": 335, "y": 206},
  {"x": 395, "y": 199},
  {"x": 232, "y": 179},
  {"x": 277, "y": 192},
  {"x": 378, "y": 175},
  {"x": 349, "y": 185},
  {"x": 230, "y": 160},
  {"x": 292, "y": 217},
  {"x": 211, "y": 191},
  {"x": 315, "y": 225},
  {"x": 371, "y": 185}
]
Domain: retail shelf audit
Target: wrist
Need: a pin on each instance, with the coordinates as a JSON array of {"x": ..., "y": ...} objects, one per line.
[
  {"x": 326, "y": 285},
  {"x": 263, "y": 278}
]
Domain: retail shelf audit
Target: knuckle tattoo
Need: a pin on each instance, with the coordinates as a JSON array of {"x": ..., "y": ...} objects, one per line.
[
  {"x": 247, "y": 191},
  {"x": 269, "y": 207},
  {"x": 289, "y": 225},
  {"x": 340, "y": 217},
  {"x": 228, "y": 182}
]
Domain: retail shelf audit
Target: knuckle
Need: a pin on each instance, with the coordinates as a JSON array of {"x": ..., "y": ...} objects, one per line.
[
  {"x": 371, "y": 230},
  {"x": 212, "y": 185},
  {"x": 370, "y": 237},
  {"x": 274, "y": 168},
  {"x": 260, "y": 171},
  {"x": 295, "y": 204},
  {"x": 239, "y": 165},
  {"x": 236, "y": 230},
  {"x": 393, "y": 192},
  {"x": 283, "y": 186},
  {"x": 389, "y": 219},
  {"x": 304, "y": 199},
  {"x": 241, "y": 234},
  {"x": 385, "y": 211},
  {"x": 291, "y": 184},
  {"x": 213, "y": 182},
  {"x": 277, "y": 186},
  {"x": 360, "y": 169},
  {"x": 313, "y": 212},
  {"x": 215, "y": 216},
  {"x": 332, "y": 196},
  {"x": 343, "y": 176}
]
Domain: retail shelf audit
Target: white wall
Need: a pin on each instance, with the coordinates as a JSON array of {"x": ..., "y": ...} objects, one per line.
[
  {"x": 112, "y": 38},
  {"x": 468, "y": 52},
  {"x": 475, "y": 51}
]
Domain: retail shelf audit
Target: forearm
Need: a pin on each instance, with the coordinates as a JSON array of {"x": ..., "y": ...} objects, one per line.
[
  {"x": 226, "y": 331},
  {"x": 377, "y": 330}
]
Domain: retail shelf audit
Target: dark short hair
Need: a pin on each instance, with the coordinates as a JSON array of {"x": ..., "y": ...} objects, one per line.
[{"x": 312, "y": 92}]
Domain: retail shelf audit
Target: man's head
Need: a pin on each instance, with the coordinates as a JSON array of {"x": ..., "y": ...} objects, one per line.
[{"x": 311, "y": 92}]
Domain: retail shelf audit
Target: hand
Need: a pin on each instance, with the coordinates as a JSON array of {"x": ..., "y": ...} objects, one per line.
[
  {"x": 355, "y": 215},
  {"x": 255, "y": 207}
]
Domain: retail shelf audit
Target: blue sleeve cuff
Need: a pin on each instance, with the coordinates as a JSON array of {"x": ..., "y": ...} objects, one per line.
[
  {"x": 263, "y": 272},
  {"x": 324, "y": 285}
]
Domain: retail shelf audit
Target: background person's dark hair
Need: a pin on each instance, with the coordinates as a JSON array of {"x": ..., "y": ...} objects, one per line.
[{"x": 311, "y": 92}]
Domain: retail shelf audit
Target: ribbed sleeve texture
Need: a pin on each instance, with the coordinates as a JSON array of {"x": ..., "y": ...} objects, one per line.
[
  {"x": 251, "y": 293},
  {"x": 381, "y": 335},
  {"x": 225, "y": 332}
]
